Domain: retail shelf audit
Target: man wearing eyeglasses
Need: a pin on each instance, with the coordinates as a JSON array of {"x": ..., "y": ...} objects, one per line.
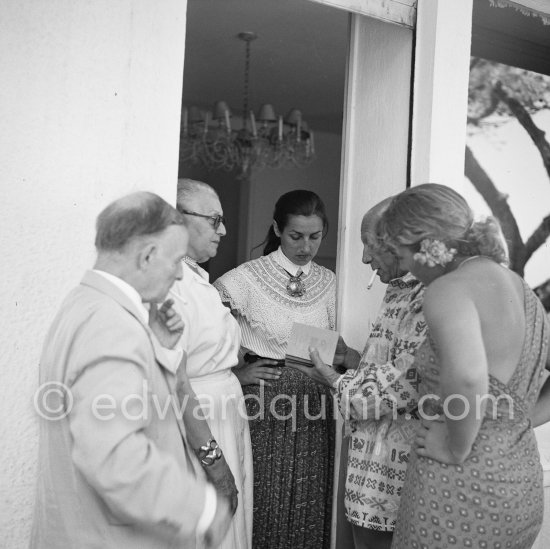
[
  {"x": 216, "y": 428},
  {"x": 202, "y": 211}
]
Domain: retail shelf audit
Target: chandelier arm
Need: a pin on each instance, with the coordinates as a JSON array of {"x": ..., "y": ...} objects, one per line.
[
  {"x": 271, "y": 144},
  {"x": 246, "y": 82}
]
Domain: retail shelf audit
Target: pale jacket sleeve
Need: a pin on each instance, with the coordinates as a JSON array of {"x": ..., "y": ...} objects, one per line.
[
  {"x": 378, "y": 388},
  {"x": 112, "y": 404}
]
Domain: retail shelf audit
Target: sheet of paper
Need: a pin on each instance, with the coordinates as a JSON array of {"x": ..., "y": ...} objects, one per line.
[{"x": 304, "y": 336}]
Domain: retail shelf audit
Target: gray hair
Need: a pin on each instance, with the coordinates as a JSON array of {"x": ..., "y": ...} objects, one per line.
[
  {"x": 189, "y": 190},
  {"x": 137, "y": 214},
  {"x": 373, "y": 216}
]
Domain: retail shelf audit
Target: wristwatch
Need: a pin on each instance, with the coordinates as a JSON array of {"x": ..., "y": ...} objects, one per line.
[{"x": 209, "y": 453}]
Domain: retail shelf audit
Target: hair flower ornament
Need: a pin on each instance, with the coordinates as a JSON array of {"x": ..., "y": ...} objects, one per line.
[{"x": 434, "y": 252}]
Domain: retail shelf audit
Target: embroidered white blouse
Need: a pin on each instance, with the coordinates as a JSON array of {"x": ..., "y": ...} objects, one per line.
[{"x": 256, "y": 292}]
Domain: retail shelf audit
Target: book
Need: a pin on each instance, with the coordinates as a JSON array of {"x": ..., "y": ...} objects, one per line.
[{"x": 303, "y": 336}]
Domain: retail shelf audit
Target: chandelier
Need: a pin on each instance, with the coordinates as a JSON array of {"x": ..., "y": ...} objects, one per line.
[{"x": 257, "y": 141}]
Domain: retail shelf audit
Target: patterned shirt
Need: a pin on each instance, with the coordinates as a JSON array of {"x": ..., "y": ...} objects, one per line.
[{"x": 378, "y": 402}]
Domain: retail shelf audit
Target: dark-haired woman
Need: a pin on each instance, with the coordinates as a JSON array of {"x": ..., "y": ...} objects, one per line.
[
  {"x": 475, "y": 479},
  {"x": 291, "y": 418}
]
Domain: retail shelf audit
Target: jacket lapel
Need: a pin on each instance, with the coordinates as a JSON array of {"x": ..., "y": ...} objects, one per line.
[{"x": 103, "y": 285}]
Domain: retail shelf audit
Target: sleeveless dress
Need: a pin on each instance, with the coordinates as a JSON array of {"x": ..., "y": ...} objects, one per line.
[
  {"x": 291, "y": 422},
  {"x": 495, "y": 498}
]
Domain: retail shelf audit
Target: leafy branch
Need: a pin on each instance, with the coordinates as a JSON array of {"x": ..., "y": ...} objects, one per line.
[{"x": 507, "y": 91}]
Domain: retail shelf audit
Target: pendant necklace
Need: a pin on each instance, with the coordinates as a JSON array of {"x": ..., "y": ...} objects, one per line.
[{"x": 295, "y": 286}]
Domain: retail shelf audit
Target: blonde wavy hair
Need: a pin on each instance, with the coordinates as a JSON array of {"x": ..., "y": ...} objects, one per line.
[{"x": 438, "y": 212}]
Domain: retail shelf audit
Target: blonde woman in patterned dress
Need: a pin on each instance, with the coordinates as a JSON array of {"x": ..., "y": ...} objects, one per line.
[
  {"x": 475, "y": 479},
  {"x": 290, "y": 417}
]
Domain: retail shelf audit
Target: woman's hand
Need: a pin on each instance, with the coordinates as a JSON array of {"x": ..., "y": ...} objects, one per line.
[
  {"x": 319, "y": 372},
  {"x": 222, "y": 478},
  {"x": 255, "y": 373},
  {"x": 432, "y": 441}
]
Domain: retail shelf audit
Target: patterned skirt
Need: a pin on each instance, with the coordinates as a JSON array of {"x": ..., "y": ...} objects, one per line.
[{"x": 292, "y": 430}]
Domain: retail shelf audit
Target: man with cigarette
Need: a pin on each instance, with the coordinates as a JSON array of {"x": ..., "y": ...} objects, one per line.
[{"x": 378, "y": 398}]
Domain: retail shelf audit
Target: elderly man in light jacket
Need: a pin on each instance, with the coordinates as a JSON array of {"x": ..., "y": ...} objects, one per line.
[{"x": 115, "y": 470}]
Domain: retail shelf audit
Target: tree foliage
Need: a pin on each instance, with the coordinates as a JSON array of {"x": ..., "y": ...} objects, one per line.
[
  {"x": 497, "y": 94},
  {"x": 531, "y": 89}
]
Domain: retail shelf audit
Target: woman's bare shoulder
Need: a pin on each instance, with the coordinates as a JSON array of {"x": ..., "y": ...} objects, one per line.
[
  {"x": 448, "y": 296},
  {"x": 476, "y": 286}
]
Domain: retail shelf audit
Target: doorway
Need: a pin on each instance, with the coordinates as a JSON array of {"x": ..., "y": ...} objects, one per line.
[{"x": 298, "y": 61}]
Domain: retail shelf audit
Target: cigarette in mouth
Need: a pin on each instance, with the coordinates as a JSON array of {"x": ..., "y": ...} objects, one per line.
[{"x": 371, "y": 281}]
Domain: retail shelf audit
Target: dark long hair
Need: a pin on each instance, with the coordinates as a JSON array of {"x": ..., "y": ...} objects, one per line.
[{"x": 299, "y": 202}]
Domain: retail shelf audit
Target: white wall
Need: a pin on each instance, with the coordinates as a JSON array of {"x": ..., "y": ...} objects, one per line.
[{"x": 90, "y": 102}]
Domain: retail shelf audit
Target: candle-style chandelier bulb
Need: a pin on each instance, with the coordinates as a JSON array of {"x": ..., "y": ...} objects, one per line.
[{"x": 265, "y": 139}]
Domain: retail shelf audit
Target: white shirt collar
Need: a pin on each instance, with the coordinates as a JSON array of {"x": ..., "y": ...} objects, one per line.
[
  {"x": 196, "y": 269},
  {"x": 129, "y": 291},
  {"x": 287, "y": 265}
]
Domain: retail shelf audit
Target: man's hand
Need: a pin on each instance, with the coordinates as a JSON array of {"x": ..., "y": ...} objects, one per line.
[
  {"x": 345, "y": 358},
  {"x": 255, "y": 373},
  {"x": 166, "y": 324},
  {"x": 222, "y": 519},
  {"x": 222, "y": 478},
  {"x": 320, "y": 372},
  {"x": 340, "y": 353}
]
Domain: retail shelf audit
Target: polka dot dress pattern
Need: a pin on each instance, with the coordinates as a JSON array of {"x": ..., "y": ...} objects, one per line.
[{"x": 495, "y": 498}]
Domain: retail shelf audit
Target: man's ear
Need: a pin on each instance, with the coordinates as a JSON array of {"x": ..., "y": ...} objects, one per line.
[
  {"x": 146, "y": 255},
  {"x": 276, "y": 229}
]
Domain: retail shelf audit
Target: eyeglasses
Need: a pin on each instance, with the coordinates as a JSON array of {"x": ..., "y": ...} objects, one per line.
[{"x": 215, "y": 220}]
